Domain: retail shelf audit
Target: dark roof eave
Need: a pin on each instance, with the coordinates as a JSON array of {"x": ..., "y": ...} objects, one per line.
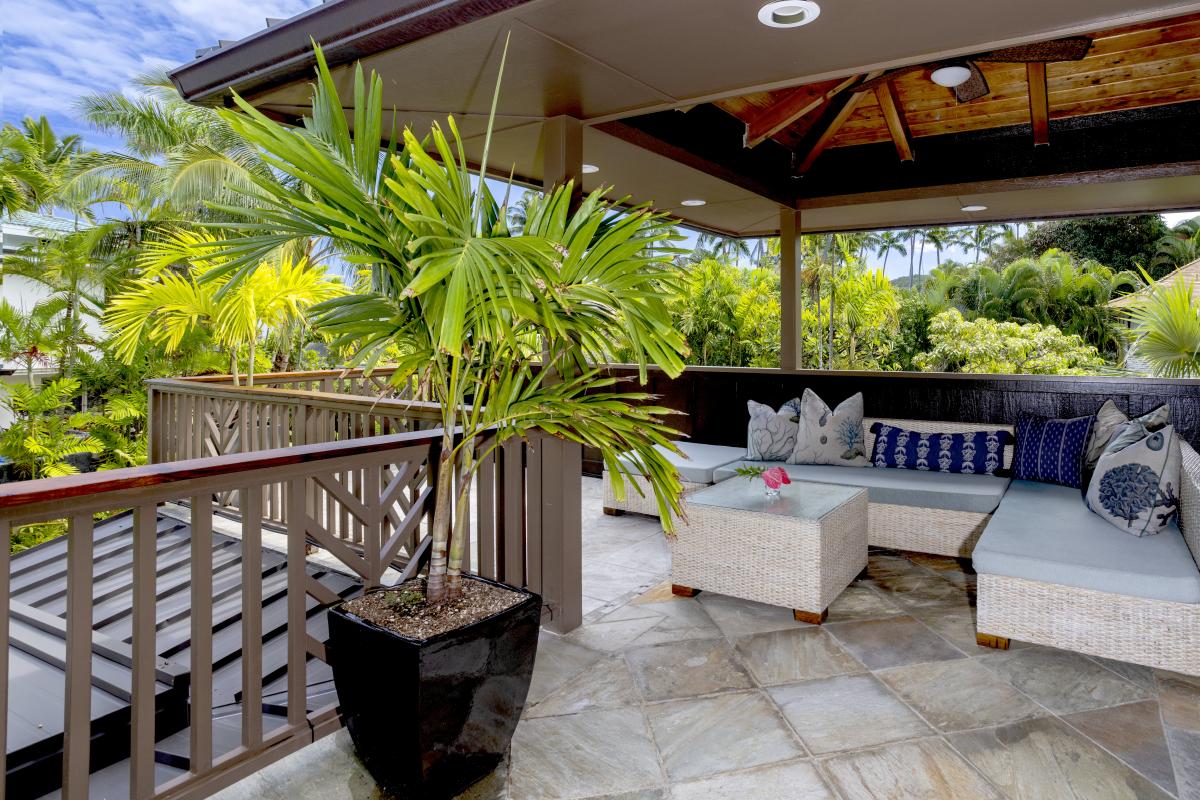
[{"x": 347, "y": 30}]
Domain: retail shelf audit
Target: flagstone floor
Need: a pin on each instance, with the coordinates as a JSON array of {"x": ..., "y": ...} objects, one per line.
[{"x": 713, "y": 698}]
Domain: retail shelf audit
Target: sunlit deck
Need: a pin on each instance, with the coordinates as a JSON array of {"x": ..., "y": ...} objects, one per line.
[{"x": 659, "y": 697}]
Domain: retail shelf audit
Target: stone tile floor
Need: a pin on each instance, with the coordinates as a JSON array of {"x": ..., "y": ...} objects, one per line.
[{"x": 709, "y": 698}]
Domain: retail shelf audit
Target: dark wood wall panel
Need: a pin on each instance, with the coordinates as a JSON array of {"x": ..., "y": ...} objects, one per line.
[{"x": 714, "y": 399}]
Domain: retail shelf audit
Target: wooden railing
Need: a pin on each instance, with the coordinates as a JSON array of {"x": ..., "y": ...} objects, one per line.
[
  {"x": 348, "y": 475},
  {"x": 377, "y": 383},
  {"x": 197, "y": 418}
]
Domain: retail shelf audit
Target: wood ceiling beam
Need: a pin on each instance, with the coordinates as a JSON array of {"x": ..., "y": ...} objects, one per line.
[
  {"x": 837, "y": 111},
  {"x": 893, "y": 115},
  {"x": 1039, "y": 102},
  {"x": 798, "y": 103}
]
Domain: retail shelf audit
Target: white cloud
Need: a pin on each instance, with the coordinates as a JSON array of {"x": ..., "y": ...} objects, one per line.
[{"x": 57, "y": 50}]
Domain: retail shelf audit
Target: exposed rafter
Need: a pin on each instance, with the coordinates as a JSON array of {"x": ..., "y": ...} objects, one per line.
[
  {"x": 833, "y": 116},
  {"x": 893, "y": 114},
  {"x": 798, "y": 103},
  {"x": 1039, "y": 102}
]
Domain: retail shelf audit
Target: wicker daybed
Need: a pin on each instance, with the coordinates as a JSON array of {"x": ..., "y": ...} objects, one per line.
[{"x": 1051, "y": 572}]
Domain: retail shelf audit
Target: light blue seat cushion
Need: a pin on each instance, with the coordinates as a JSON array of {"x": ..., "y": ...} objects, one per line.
[
  {"x": 1042, "y": 532},
  {"x": 902, "y": 487},
  {"x": 701, "y": 461}
]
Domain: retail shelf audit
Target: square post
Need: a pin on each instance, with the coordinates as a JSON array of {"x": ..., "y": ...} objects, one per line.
[
  {"x": 791, "y": 288},
  {"x": 554, "y": 476},
  {"x": 562, "y": 155}
]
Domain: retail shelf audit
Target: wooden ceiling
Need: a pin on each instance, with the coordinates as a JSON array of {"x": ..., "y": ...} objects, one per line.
[{"x": 1125, "y": 68}]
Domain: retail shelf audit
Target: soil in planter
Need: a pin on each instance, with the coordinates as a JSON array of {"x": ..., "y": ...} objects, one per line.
[{"x": 403, "y": 609}]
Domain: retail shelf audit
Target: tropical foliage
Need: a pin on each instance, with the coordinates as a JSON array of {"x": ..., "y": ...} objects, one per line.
[
  {"x": 468, "y": 306},
  {"x": 984, "y": 345},
  {"x": 1166, "y": 326}
]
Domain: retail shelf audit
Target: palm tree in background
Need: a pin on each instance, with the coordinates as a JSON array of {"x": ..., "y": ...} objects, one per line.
[
  {"x": 722, "y": 248},
  {"x": 888, "y": 242},
  {"x": 941, "y": 239},
  {"x": 35, "y": 167},
  {"x": 180, "y": 155},
  {"x": 1181, "y": 245},
  {"x": 980, "y": 238},
  {"x": 1166, "y": 327},
  {"x": 520, "y": 211}
]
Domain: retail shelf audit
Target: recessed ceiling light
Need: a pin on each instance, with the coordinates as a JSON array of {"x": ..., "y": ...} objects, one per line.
[
  {"x": 973, "y": 207},
  {"x": 692, "y": 202},
  {"x": 588, "y": 169},
  {"x": 788, "y": 13},
  {"x": 951, "y": 76}
]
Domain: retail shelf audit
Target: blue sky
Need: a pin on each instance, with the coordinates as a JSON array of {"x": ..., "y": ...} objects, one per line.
[
  {"x": 57, "y": 50},
  {"x": 54, "y": 51}
]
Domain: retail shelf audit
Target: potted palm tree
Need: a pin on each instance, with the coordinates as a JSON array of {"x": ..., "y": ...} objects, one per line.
[{"x": 502, "y": 332}]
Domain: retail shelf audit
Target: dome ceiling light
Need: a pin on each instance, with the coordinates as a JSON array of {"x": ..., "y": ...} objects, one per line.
[
  {"x": 588, "y": 169},
  {"x": 788, "y": 13},
  {"x": 973, "y": 207},
  {"x": 692, "y": 202},
  {"x": 951, "y": 76}
]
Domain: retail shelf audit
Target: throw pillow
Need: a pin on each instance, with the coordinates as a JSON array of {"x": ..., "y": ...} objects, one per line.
[
  {"x": 771, "y": 435},
  {"x": 1136, "y": 484},
  {"x": 1051, "y": 450},
  {"x": 974, "y": 453},
  {"x": 1109, "y": 419},
  {"x": 830, "y": 437}
]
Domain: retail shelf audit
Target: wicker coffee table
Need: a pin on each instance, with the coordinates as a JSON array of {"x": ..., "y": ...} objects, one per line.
[{"x": 798, "y": 550}]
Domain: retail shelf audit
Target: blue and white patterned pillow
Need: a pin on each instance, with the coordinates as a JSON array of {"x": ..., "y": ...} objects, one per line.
[
  {"x": 771, "y": 434},
  {"x": 973, "y": 453},
  {"x": 1051, "y": 450},
  {"x": 1136, "y": 483}
]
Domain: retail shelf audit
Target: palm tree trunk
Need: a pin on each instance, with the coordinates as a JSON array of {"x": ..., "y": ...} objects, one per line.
[
  {"x": 436, "y": 589},
  {"x": 250, "y": 365},
  {"x": 820, "y": 330},
  {"x": 912, "y": 254},
  {"x": 462, "y": 510},
  {"x": 832, "y": 292}
]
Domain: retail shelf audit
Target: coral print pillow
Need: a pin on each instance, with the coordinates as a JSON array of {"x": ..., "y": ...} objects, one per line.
[
  {"x": 974, "y": 453},
  {"x": 1136, "y": 483},
  {"x": 771, "y": 435},
  {"x": 830, "y": 437}
]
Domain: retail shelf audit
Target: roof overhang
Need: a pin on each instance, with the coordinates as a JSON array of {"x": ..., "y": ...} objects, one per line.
[{"x": 633, "y": 71}]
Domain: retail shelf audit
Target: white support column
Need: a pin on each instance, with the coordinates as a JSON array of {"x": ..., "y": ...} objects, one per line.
[
  {"x": 562, "y": 154},
  {"x": 791, "y": 288}
]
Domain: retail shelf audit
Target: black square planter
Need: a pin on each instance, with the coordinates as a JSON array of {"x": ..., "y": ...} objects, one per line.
[{"x": 431, "y": 717}]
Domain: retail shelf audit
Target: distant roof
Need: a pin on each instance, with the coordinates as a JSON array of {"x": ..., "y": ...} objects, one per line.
[
  {"x": 44, "y": 222},
  {"x": 1188, "y": 272}
]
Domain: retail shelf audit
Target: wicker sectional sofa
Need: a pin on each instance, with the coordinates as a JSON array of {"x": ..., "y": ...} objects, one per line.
[
  {"x": 695, "y": 472},
  {"x": 1051, "y": 572},
  {"x": 927, "y": 512}
]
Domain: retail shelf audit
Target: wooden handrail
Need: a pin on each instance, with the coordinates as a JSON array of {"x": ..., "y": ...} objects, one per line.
[
  {"x": 21, "y": 493},
  {"x": 428, "y": 410},
  {"x": 284, "y": 376}
]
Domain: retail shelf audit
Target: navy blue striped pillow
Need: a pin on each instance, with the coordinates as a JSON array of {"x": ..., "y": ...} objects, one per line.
[{"x": 1051, "y": 450}]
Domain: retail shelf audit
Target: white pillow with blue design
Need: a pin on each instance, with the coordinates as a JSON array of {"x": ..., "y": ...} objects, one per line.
[
  {"x": 1136, "y": 483},
  {"x": 971, "y": 453},
  {"x": 830, "y": 436},
  {"x": 771, "y": 434}
]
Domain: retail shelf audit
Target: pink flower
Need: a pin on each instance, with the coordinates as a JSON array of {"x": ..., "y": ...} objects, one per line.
[{"x": 775, "y": 477}]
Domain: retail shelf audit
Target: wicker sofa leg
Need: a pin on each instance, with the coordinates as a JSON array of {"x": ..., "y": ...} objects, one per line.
[
  {"x": 811, "y": 617},
  {"x": 614, "y": 512},
  {"x": 683, "y": 591},
  {"x": 988, "y": 640}
]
